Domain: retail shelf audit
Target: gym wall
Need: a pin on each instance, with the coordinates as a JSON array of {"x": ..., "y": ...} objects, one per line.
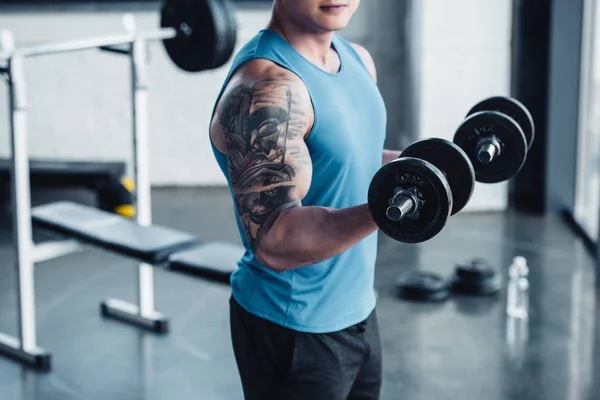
[{"x": 79, "y": 102}]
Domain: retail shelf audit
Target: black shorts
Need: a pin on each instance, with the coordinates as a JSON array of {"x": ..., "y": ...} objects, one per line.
[{"x": 279, "y": 363}]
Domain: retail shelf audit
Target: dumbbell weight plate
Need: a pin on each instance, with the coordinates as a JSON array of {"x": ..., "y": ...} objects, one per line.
[
  {"x": 205, "y": 32},
  {"x": 514, "y": 109},
  {"x": 422, "y": 286},
  {"x": 454, "y": 164},
  {"x": 477, "y": 277},
  {"x": 475, "y": 270},
  {"x": 513, "y": 152},
  {"x": 428, "y": 180}
]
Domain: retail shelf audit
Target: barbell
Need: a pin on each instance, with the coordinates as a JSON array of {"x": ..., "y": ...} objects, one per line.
[{"x": 197, "y": 35}]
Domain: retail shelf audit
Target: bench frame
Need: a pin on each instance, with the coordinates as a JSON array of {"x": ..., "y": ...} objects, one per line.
[{"x": 143, "y": 314}]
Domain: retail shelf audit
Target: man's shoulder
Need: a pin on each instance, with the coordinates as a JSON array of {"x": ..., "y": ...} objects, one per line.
[
  {"x": 263, "y": 69},
  {"x": 366, "y": 58},
  {"x": 261, "y": 73}
]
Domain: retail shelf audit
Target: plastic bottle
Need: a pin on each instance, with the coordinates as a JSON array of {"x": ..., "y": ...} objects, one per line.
[{"x": 517, "y": 304}]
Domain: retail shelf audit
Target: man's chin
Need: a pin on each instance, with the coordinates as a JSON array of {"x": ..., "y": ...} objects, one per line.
[{"x": 332, "y": 27}]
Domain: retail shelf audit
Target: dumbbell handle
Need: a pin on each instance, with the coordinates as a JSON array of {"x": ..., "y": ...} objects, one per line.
[
  {"x": 404, "y": 203},
  {"x": 487, "y": 149}
]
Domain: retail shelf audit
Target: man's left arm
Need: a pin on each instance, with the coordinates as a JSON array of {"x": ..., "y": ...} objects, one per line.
[{"x": 388, "y": 155}]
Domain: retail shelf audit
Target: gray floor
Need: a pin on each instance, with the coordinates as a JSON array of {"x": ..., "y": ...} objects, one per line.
[{"x": 462, "y": 349}]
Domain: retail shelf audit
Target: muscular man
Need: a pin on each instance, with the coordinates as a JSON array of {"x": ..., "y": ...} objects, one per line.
[{"x": 298, "y": 131}]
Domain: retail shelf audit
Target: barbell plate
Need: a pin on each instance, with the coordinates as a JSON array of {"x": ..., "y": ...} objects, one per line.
[
  {"x": 513, "y": 151},
  {"x": 514, "y": 109},
  {"x": 206, "y": 33},
  {"x": 411, "y": 173},
  {"x": 422, "y": 286},
  {"x": 477, "y": 277},
  {"x": 454, "y": 164},
  {"x": 475, "y": 270}
]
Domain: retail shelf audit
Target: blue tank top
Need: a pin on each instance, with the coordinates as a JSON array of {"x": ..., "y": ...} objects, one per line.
[{"x": 345, "y": 146}]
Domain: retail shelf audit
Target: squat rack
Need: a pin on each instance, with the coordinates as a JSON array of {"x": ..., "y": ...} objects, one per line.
[{"x": 133, "y": 44}]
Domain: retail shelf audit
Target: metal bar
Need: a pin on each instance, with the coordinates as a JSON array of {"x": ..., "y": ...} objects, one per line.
[
  {"x": 7, "y": 45},
  {"x": 90, "y": 43},
  {"x": 119, "y": 49},
  {"x": 51, "y": 250},
  {"x": 21, "y": 204},
  {"x": 130, "y": 313},
  {"x": 401, "y": 207},
  {"x": 141, "y": 163},
  {"x": 37, "y": 358}
]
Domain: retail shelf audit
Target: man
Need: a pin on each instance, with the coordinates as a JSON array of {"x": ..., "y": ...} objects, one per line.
[{"x": 298, "y": 131}]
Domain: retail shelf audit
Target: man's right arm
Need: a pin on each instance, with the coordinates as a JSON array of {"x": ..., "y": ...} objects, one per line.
[{"x": 264, "y": 122}]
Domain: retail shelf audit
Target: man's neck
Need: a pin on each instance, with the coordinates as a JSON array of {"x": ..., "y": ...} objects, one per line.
[{"x": 312, "y": 44}]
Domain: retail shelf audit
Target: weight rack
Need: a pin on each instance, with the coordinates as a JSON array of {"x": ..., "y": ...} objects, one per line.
[{"x": 133, "y": 44}]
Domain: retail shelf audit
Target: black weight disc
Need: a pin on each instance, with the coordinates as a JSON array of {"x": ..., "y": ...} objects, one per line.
[
  {"x": 421, "y": 285},
  {"x": 514, "y": 109},
  {"x": 232, "y": 32},
  {"x": 205, "y": 30},
  {"x": 454, "y": 164},
  {"x": 226, "y": 27},
  {"x": 506, "y": 130},
  {"x": 484, "y": 287},
  {"x": 475, "y": 270},
  {"x": 434, "y": 190}
]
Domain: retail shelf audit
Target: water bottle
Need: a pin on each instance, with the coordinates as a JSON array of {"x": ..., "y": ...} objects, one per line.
[{"x": 517, "y": 303}]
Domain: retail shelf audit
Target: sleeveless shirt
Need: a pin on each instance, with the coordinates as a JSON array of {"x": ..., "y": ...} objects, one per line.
[{"x": 345, "y": 146}]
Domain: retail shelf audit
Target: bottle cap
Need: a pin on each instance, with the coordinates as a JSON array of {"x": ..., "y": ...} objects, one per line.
[
  {"x": 520, "y": 261},
  {"x": 520, "y": 264}
]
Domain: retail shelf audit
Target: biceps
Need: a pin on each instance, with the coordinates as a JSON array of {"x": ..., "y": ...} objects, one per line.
[
  {"x": 269, "y": 165},
  {"x": 267, "y": 185}
]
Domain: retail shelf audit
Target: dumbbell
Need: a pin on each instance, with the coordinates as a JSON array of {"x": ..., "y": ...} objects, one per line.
[
  {"x": 496, "y": 136},
  {"x": 412, "y": 197}
]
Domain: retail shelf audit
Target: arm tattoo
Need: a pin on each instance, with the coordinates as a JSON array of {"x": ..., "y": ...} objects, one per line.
[{"x": 262, "y": 123}]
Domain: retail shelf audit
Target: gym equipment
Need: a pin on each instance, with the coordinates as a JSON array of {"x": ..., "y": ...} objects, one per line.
[
  {"x": 496, "y": 136},
  {"x": 212, "y": 261},
  {"x": 422, "y": 286},
  {"x": 206, "y": 33},
  {"x": 105, "y": 179},
  {"x": 117, "y": 196},
  {"x": 452, "y": 161},
  {"x": 93, "y": 226},
  {"x": 476, "y": 277},
  {"x": 197, "y": 35},
  {"x": 511, "y": 107},
  {"x": 150, "y": 244},
  {"x": 67, "y": 173},
  {"x": 412, "y": 197}
]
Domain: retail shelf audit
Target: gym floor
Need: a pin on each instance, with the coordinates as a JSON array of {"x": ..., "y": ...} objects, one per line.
[{"x": 464, "y": 348}]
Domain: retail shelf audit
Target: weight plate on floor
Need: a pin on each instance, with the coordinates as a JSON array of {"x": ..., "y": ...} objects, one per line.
[
  {"x": 205, "y": 33},
  {"x": 454, "y": 164},
  {"x": 514, "y": 109},
  {"x": 421, "y": 285},
  {"x": 485, "y": 287},
  {"x": 477, "y": 277},
  {"x": 488, "y": 124},
  {"x": 433, "y": 188},
  {"x": 475, "y": 270}
]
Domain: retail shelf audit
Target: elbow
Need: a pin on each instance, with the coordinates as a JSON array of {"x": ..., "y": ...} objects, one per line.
[{"x": 271, "y": 261}]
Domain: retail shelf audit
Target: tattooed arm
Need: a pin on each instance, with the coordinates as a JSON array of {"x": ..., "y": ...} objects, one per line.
[{"x": 264, "y": 118}]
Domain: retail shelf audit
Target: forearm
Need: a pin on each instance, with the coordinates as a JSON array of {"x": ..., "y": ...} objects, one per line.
[
  {"x": 390, "y": 155},
  {"x": 307, "y": 235}
]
